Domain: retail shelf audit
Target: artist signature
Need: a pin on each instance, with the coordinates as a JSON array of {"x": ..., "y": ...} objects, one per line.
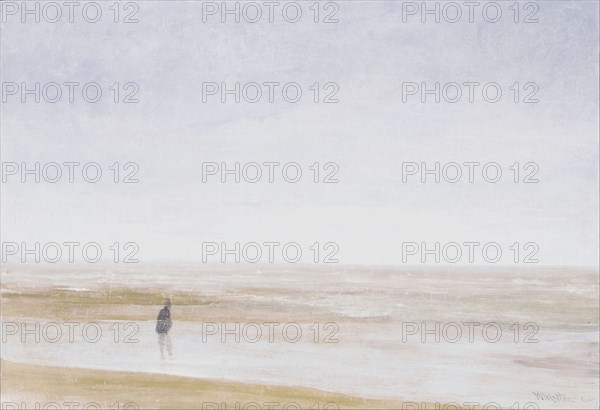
[{"x": 561, "y": 398}]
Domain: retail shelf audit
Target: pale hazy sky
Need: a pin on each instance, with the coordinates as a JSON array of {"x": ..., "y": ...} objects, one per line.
[{"x": 170, "y": 52}]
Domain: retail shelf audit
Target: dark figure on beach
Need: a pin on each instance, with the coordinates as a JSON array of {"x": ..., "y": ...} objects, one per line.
[{"x": 163, "y": 325}]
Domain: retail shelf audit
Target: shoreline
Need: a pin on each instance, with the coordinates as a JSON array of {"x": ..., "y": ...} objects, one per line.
[{"x": 369, "y": 360}]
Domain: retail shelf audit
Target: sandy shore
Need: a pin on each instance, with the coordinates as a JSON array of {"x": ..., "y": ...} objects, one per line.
[
  {"x": 368, "y": 365},
  {"x": 30, "y": 384}
]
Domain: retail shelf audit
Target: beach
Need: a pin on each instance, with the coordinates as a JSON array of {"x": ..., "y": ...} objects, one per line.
[{"x": 352, "y": 337}]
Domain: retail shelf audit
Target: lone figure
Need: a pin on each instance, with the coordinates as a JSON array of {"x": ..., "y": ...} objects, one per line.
[{"x": 163, "y": 325}]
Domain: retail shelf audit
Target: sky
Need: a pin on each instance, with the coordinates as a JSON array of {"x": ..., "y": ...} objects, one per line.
[{"x": 368, "y": 134}]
